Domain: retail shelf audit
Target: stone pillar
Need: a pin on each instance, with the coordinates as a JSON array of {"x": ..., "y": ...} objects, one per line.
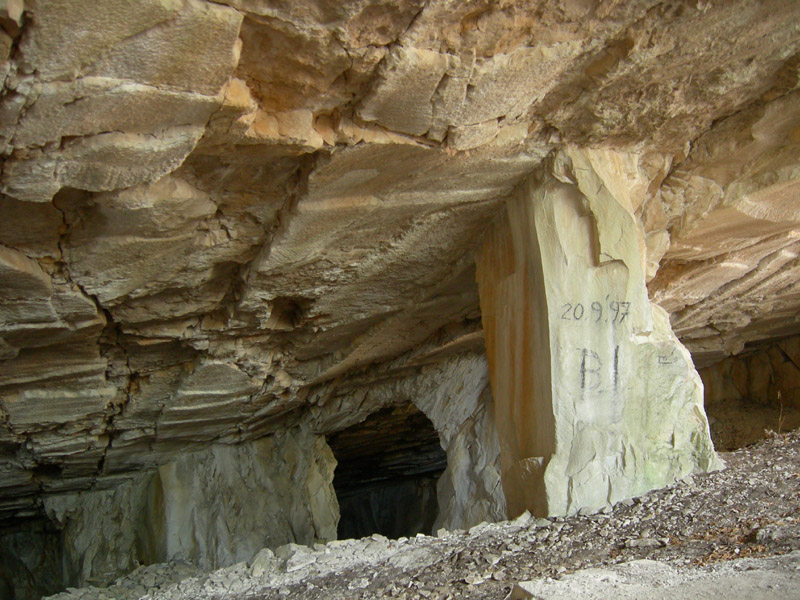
[{"x": 595, "y": 398}]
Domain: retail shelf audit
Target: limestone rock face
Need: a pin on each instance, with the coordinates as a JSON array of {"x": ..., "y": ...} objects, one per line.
[
  {"x": 753, "y": 393},
  {"x": 730, "y": 274},
  {"x": 563, "y": 294},
  {"x": 214, "y": 508},
  {"x": 451, "y": 387},
  {"x": 224, "y": 221}
]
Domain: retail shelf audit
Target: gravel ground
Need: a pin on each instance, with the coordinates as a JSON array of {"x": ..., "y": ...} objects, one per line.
[{"x": 749, "y": 510}]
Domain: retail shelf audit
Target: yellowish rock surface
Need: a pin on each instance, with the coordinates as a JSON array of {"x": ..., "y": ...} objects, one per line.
[{"x": 221, "y": 221}]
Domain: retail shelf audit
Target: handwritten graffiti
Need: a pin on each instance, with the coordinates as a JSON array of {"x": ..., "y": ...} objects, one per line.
[
  {"x": 591, "y": 369},
  {"x": 616, "y": 312}
]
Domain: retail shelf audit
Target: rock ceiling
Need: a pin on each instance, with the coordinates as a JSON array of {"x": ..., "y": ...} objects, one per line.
[{"x": 214, "y": 214}]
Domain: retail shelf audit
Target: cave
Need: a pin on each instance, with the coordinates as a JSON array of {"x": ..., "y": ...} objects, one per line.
[
  {"x": 385, "y": 479},
  {"x": 280, "y": 274},
  {"x": 754, "y": 394}
]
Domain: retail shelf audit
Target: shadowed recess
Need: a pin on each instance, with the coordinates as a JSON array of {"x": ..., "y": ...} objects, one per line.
[{"x": 385, "y": 481}]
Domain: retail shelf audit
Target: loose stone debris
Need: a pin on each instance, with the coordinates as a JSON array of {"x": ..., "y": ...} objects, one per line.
[{"x": 731, "y": 529}]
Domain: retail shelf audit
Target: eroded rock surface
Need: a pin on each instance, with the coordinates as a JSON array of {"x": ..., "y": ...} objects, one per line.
[
  {"x": 754, "y": 393},
  {"x": 212, "y": 508},
  {"x": 224, "y": 221}
]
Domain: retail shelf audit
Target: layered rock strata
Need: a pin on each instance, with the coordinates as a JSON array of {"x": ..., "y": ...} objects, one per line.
[
  {"x": 729, "y": 274},
  {"x": 226, "y": 221}
]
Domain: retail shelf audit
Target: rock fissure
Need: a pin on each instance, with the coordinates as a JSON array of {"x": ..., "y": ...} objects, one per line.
[{"x": 108, "y": 340}]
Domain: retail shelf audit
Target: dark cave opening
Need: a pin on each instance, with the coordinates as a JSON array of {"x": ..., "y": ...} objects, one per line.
[{"x": 388, "y": 467}]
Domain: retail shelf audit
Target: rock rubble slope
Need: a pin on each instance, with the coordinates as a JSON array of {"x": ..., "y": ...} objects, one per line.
[{"x": 739, "y": 527}]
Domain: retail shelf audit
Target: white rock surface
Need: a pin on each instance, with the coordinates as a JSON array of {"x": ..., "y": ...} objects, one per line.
[
  {"x": 569, "y": 332},
  {"x": 768, "y": 578},
  {"x": 454, "y": 394},
  {"x": 212, "y": 508}
]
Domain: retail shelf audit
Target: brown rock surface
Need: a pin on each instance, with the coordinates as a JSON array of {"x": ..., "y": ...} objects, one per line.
[{"x": 223, "y": 220}]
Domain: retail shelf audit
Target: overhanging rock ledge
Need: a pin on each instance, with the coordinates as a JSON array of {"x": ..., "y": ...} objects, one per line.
[{"x": 232, "y": 231}]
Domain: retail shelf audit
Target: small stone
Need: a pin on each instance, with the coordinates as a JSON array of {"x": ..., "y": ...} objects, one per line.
[
  {"x": 358, "y": 584},
  {"x": 263, "y": 562},
  {"x": 478, "y": 528},
  {"x": 288, "y": 550},
  {"x": 643, "y": 543},
  {"x": 542, "y": 535},
  {"x": 522, "y": 519},
  {"x": 295, "y": 557}
]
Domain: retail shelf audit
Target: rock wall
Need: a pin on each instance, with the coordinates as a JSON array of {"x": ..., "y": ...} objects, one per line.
[
  {"x": 221, "y": 505},
  {"x": 729, "y": 210},
  {"x": 226, "y": 220},
  {"x": 460, "y": 407},
  {"x": 754, "y": 392},
  {"x": 213, "y": 508},
  {"x": 596, "y": 400},
  {"x": 452, "y": 389},
  {"x": 212, "y": 208},
  {"x": 469, "y": 491}
]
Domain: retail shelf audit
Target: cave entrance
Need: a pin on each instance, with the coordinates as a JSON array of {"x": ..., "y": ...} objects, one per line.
[{"x": 385, "y": 480}]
